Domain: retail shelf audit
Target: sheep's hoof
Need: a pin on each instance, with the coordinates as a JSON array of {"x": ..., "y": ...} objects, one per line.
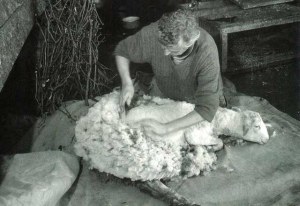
[
  {"x": 218, "y": 146},
  {"x": 222, "y": 101}
]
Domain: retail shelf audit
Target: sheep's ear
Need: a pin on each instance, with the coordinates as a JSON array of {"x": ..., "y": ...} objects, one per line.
[
  {"x": 237, "y": 109},
  {"x": 245, "y": 129},
  {"x": 245, "y": 122}
]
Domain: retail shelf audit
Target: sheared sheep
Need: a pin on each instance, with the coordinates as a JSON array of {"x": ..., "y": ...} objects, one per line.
[
  {"x": 113, "y": 146},
  {"x": 247, "y": 125}
]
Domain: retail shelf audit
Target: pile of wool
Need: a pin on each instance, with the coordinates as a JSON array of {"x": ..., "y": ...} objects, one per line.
[{"x": 113, "y": 146}]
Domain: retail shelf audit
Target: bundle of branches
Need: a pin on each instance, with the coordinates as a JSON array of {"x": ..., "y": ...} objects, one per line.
[{"x": 68, "y": 66}]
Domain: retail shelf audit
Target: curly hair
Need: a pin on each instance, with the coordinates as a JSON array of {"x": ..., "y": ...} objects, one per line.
[{"x": 173, "y": 25}]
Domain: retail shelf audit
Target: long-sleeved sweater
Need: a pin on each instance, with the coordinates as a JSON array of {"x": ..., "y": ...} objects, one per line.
[{"x": 195, "y": 80}]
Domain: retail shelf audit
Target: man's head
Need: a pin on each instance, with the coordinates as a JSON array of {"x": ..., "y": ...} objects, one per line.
[{"x": 178, "y": 31}]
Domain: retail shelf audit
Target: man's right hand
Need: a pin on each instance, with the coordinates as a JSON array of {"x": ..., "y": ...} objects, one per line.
[
  {"x": 127, "y": 84},
  {"x": 126, "y": 96}
]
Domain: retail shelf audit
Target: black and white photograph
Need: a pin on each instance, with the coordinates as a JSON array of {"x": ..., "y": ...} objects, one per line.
[{"x": 149, "y": 103}]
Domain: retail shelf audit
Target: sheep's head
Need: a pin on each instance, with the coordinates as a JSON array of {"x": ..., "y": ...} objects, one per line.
[{"x": 254, "y": 129}]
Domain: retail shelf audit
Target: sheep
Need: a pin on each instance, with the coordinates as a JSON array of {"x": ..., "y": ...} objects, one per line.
[
  {"x": 113, "y": 145},
  {"x": 162, "y": 110},
  {"x": 247, "y": 125}
]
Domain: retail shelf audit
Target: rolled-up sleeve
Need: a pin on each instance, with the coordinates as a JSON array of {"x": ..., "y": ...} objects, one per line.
[{"x": 137, "y": 47}]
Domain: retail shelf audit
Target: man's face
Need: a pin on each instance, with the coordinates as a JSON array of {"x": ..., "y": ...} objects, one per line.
[{"x": 180, "y": 48}]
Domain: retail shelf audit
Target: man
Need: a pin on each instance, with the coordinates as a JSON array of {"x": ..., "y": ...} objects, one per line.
[{"x": 185, "y": 62}]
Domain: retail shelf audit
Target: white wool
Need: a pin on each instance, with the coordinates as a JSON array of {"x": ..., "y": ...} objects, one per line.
[
  {"x": 199, "y": 160},
  {"x": 112, "y": 146},
  {"x": 121, "y": 148}
]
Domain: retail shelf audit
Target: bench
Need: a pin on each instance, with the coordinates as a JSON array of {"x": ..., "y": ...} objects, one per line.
[{"x": 224, "y": 21}]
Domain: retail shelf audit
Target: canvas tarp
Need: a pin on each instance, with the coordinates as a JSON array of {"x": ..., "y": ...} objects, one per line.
[
  {"x": 247, "y": 174},
  {"x": 37, "y": 179}
]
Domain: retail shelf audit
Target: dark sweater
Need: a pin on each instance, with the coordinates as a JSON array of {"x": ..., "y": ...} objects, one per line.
[{"x": 195, "y": 80}]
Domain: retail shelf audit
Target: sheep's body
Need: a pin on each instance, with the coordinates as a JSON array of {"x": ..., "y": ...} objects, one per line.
[
  {"x": 162, "y": 111},
  {"x": 113, "y": 146},
  {"x": 246, "y": 125}
]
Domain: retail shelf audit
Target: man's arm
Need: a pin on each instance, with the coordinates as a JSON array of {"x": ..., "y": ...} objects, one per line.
[
  {"x": 155, "y": 128},
  {"x": 206, "y": 97},
  {"x": 184, "y": 122},
  {"x": 127, "y": 91},
  {"x": 135, "y": 48}
]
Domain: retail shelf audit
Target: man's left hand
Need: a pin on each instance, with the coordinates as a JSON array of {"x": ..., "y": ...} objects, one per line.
[{"x": 154, "y": 128}]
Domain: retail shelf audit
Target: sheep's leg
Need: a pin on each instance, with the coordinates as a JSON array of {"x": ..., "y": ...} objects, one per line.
[
  {"x": 160, "y": 191},
  {"x": 155, "y": 188}
]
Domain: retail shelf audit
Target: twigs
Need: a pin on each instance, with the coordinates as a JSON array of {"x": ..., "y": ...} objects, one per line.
[
  {"x": 68, "y": 66},
  {"x": 90, "y": 64}
]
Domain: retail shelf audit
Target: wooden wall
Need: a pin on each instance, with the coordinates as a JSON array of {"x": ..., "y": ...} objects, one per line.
[{"x": 16, "y": 21}]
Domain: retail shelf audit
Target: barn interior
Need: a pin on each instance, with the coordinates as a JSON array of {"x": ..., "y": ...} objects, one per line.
[{"x": 259, "y": 52}]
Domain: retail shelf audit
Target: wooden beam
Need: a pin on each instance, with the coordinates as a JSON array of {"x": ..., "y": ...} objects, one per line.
[
  {"x": 160, "y": 191},
  {"x": 256, "y": 63},
  {"x": 248, "y": 4}
]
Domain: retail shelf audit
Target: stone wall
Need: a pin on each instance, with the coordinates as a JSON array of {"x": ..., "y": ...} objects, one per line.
[{"x": 16, "y": 21}]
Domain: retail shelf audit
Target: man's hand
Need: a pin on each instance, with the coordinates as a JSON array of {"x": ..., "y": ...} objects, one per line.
[
  {"x": 126, "y": 95},
  {"x": 127, "y": 85},
  {"x": 154, "y": 128}
]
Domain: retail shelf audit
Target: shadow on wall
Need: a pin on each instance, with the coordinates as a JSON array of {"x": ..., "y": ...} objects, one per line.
[
  {"x": 18, "y": 108},
  {"x": 17, "y": 95}
]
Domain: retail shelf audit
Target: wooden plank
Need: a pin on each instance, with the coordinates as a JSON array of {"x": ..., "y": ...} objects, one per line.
[
  {"x": 251, "y": 62},
  {"x": 262, "y": 24},
  {"x": 264, "y": 17},
  {"x": 212, "y": 4},
  {"x": 16, "y": 21},
  {"x": 160, "y": 191},
  {"x": 248, "y": 4},
  {"x": 255, "y": 63},
  {"x": 7, "y": 8},
  {"x": 213, "y": 8},
  {"x": 216, "y": 11},
  {"x": 243, "y": 20},
  {"x": 155, "y": 188}
]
